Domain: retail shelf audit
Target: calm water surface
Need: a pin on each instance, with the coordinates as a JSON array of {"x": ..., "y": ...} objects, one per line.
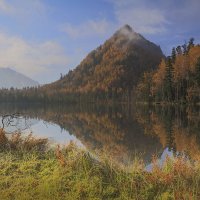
[{"x": 120, "y": 131}]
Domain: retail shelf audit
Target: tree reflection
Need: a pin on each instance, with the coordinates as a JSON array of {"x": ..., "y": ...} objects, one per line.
[
  {"x": 177, "y": 128},
  {"x": 123, "y": 131}
]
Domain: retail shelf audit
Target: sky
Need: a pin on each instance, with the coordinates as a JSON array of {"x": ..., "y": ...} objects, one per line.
[{"x": 44, "y": 38}]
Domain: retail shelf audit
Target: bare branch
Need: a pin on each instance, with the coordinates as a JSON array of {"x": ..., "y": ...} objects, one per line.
[{"x": 13, "y": 120}]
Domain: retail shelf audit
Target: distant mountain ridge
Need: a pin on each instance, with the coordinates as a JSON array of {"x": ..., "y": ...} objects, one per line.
[{"x": 10, "y": 78}]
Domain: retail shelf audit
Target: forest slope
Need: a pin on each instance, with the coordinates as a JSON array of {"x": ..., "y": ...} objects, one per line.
[{"x": 115, "y": 66}]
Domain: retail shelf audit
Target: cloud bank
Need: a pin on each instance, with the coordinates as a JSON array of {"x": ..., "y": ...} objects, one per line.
[
  {"x": 31, "y": 58},
  {"x": 5, "y": 7},
  {"x": 22, "y": 8}
]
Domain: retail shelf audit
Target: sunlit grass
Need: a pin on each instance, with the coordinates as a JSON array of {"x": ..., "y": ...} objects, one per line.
[{"x": 29, "y": 169}]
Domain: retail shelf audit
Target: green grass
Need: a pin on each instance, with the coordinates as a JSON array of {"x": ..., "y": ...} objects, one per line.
[{"x": 29, "y": 169}]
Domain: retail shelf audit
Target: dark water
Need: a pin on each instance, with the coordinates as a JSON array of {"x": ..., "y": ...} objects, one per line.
[{"x": 120, "y": 131}]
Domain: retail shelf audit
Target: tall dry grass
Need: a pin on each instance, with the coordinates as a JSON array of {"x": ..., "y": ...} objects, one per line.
[{"x": 29, "y": 169}]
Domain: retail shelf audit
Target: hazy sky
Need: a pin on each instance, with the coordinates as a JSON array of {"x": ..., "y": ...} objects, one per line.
[{"x": 43, "y": 38}]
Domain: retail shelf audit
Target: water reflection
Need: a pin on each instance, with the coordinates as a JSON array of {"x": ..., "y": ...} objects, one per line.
[
  {"x": 120, "y": 131},
  {"x": 178, "y": 128}
]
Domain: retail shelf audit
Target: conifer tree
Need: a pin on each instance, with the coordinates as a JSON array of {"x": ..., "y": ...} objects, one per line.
[
  {"x": 190, "y": 44},
  {"x": 168, "y": 85},
  {"x": 173, "y": 55},
  {"x": 179, "y": 50},
  {"x": 197, "y": 72},
  {"x": 184, "y": 46}
]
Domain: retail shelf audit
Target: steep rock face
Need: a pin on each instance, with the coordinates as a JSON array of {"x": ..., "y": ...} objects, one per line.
[{"x": 10, "y": 78}]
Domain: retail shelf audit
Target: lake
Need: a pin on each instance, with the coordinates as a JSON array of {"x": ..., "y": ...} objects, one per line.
[{"x": 120, "y": 131}]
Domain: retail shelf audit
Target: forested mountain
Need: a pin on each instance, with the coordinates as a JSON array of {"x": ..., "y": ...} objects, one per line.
[
  {"x": 10, "y": 78},
  {"x": 109, "y": 72},
  {"x": 114, "y": 67}
]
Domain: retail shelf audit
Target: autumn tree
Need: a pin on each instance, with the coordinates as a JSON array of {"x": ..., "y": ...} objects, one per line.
[{"x": 177, "y": 78}]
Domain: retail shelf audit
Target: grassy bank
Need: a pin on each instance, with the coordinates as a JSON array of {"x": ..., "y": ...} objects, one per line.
[{"x": 29, "y": 169}]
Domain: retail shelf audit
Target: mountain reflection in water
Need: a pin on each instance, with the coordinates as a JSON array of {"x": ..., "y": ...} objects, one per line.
[{"x": 120, "y": 131}]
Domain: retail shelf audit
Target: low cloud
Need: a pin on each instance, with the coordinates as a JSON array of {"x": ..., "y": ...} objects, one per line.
[
  {"x": 5, "y": 7},
  {"x": 22, "y": 9},
  {"x": 31, "y": 59},
  {"x": 89, "y": 28},
  {"x": 155, "y": 17},
  {"x": 142, "y": 19}
]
